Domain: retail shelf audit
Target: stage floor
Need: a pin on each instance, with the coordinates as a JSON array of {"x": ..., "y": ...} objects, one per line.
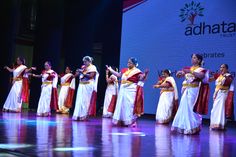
[{"x": 25, "y": 134}]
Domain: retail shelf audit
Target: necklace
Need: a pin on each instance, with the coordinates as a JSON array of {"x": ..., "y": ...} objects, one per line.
[
  {"x": 128, "y": 71},
  {"x": 193, "y": 68}
]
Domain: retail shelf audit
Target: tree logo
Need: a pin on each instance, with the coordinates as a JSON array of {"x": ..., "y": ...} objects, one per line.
[{"x": 190, "y": 11}]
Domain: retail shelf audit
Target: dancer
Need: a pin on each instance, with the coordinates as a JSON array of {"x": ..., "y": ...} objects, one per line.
[
  {"x": 85, "y": 104},
  {"x": 110, "y": 95},
  {"x": 223, "y": 98},
  {"x": 67, "y": 91},
  {"x": 130, "y": 98},
  {"x": 168, "y": 101},
  {"x": 48, "y": 97},
  {"x": 194, "y": 96},
  {"x": 19, "y": 90}
]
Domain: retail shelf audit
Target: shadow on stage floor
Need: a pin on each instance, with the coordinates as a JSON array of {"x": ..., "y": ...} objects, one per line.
[{"x": 24, "y": 134}]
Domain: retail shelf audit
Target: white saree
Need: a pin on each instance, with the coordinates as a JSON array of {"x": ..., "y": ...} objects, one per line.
[
  {"x": 46, "y": 93},
  {"x": 186, "y": 121},
  {"x": 110, "y": 92},
  {"x": 65, "y": 85},
  {"x": 218, "y": 118},
  {"x": 84, "y": 94},
  {"x": 14, "y": 100},
  {"x": 166, "y": 102},
  {"x": 126, "y": 99}
]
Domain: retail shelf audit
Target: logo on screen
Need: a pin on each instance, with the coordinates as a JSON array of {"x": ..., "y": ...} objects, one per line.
[{"x": 190, "y": 11}]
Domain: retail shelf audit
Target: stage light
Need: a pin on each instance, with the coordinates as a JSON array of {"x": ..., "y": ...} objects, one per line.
[
  {"x": 138, "y": 133},
  {"x": 120, "y": 134},
  {"x": 74, "y": 149},
  {"x": 128, "y": 134},
  {"x": 14, "y": 146},
  {"x": 41, "y": 122},
  {"x": 7, "y": 154}
]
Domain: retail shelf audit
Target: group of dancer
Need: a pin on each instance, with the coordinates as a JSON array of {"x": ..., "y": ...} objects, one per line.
[
  {"x": 126, "y": 107},
  {"x": 194, "y": 98},
  {"x": 124, "y": 99}
]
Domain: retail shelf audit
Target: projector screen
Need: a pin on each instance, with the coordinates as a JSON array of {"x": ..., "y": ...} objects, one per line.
[{"x": 162, "y": 34}]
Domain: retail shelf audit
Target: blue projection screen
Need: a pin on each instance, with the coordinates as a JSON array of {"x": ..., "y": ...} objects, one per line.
[{"x": 162, "y": 34}]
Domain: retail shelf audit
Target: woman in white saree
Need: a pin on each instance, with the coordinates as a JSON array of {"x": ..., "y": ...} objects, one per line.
[
  {"x": 47, "y": 98},
  {"x": 187, "y": 121},
  {"x": 85, "y": 104},
  {"x": 14, "y": 99},
  {"x": 130, "y": 97},
  {"x": 223, "y": 95},
  {"x": 168, "y": 98},
  {"x": 110, "y": 95},
  {"x": 67, "y": 91}
]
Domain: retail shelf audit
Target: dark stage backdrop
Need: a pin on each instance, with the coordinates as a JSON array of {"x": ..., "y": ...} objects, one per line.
[
  {"x": 8, "y": 21},
  {"x": 61, "y": 31}
]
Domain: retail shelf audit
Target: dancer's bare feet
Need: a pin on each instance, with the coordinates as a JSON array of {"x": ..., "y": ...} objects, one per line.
[{"x": 133, "y": 125}]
